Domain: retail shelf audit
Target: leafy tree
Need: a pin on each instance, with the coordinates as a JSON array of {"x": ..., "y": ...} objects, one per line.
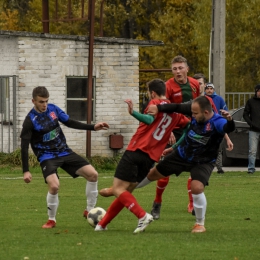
[{"x": 183, "y": 25}]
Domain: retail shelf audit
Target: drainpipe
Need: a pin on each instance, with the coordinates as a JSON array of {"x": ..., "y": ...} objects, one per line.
[{"x": 90, "y": 73}]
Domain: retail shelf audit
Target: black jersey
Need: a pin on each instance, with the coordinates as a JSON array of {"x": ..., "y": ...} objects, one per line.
[{"x": 45, "y": 134}]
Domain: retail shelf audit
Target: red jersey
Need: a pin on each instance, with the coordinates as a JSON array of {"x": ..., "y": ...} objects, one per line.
[
  {"x": 152, "y": 139},
  {"x": 179, "y": 93}
]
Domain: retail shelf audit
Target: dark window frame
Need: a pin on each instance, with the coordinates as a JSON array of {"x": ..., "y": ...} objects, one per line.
[{"x": 82, "y": 98}]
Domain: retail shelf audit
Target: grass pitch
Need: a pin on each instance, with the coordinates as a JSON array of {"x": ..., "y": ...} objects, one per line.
[{"x": 232, "y": 222}]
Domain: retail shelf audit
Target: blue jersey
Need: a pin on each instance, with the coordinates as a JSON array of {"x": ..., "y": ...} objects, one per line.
[
  {"x": 202, "y": 140},
  {"x": 45, "y": 134}
]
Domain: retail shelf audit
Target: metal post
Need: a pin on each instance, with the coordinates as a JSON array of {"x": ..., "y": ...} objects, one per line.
[
  {"x": 90, "y": 72},
  {"x": 217, "y": 57},
  {"x": 14, "y": 114},
  {"x": 101, "y": 18},
  {"x": 45, "y": 16}
]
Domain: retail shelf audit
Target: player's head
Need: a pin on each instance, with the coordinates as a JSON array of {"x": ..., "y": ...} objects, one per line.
[
  {"x": 202, "y": 81},
  {"x": 209, "y": 89},
  {"x": 201, "y": 109},
  {"x": 40, "y": 98},
  {"x": 156, "y": 86},
  {"x": 40, "y": 92},
  {"x": 180, "y": 69}
]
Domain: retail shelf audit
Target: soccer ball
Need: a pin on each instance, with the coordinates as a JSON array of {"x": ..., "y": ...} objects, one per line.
[{"x": 95, "y": 215}]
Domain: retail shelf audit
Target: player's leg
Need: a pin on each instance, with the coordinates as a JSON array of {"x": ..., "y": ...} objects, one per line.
[
  {"x": 219, "y": 163},
  {"x": 130, "y": 202},
  {"x": 52, "y": 200},
  {"x": 91, "y": 175},
  {"x": 49, "y": 169},
  {"x": 200, "y": 175},
  {"x": 190, "y": 205},
  {"x": 76, "y": 166},
  {"x": 160, "y": 187},
  {"x": 106, "y": 192},
  {"x": 113, "y": 210},
  {"x": 133, "y": 166}
]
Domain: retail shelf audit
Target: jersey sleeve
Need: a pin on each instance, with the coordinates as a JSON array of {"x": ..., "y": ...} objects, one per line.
[
  {"x": 25, "y": 136},
  {"x": 27, "y": 129},
  {"x": 62, "y": 116},
  {"x": 220, "y": 126}
]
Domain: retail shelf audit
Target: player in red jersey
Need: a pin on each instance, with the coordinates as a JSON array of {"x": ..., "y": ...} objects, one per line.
[
  {"x": 179, "y": 89},
  {"x": 144, "y": 149}
]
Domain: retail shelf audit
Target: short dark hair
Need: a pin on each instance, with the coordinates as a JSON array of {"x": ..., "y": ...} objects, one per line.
[
  {"x": 200, "y": 76},
  {"x": 40, "y": 92},
  {"x": 158, "y": 86},
  {"x": 204, "y": 103},
  {"x": 179, "y": 59}
]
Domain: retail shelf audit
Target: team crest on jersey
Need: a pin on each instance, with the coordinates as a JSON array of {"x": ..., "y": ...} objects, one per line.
[
  {"x": 53, "y": 115},
  {"x": 177, "y": 94},
  {"x": 208, "y": 128}
]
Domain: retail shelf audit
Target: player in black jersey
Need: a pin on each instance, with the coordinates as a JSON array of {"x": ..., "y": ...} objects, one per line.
[
  {"x": 197, "y": 152},
  {"x": 42, "y": 130}
]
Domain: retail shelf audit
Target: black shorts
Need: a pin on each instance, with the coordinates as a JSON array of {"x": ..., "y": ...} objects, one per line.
[
  {"x": 134, "y": 166},
  {"x": 69, "y": 163},
  {"x": 174, "y": 164}
]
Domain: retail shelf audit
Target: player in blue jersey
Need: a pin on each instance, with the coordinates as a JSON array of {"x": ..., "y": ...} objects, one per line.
[
  {"x": 198, "y": 151},
  {"x": 42, "y": 130}
]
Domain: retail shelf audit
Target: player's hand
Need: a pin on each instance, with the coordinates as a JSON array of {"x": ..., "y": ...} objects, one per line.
[
  {"x": 167, "y": 151},
  {"x": 129, "y": 102},
  {"x": 101, "y": 126},
  {"x": 172, "y": 139},
  {"x": 27, "y": 177},
  {"x": 226, "y": 114},
  {"x": 152, "y": 110},
  {"x": 230, "y": 145}
]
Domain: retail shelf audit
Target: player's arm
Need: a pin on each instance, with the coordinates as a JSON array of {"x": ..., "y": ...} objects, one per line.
[
  {"x": 229, "y": 142},
  {"x": 169, "y": 108},
  {"x": 174, "y": 146},
  {"x": 178, "y": 108},
  {"x": 144, "y": 118},
  {"x": 25, "y": 141},
  {"x": 182, "y": 136},
  {"x": 230, "y": 125},
  {"x": 82, "y": 126}
]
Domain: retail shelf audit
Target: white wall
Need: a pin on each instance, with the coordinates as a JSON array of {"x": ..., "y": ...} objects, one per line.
[{"x": 47, "y": 62}]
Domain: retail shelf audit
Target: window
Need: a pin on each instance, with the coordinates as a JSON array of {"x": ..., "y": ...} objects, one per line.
[
  {"x": 77, "y": 98},
  {"x": 4, "y": 100}
]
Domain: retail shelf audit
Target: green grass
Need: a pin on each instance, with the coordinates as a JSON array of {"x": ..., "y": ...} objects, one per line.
[{"x": 232, "y": 221}]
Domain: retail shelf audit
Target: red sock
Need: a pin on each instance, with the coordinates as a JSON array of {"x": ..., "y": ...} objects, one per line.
[
  {"x": 131, "y": 204},
  {"x": 189, "y": 190},
  {"x": 161, "y": 186},
  {"x": 113, "y": 210}
]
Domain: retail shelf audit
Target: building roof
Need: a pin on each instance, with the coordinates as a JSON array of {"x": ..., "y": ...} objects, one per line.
[{"x": 102, "y": 40}]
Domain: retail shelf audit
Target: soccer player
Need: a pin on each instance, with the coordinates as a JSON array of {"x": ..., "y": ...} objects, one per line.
[
  {"x": 144, "y": 149},
  {"x": 42, "y": 130},
  {"x": 180, "y": 89},
  {"x": 198, "y": 151}
]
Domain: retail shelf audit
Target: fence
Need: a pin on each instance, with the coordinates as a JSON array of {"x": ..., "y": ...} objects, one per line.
[
  {"x": 237, "y": 99},
  {"x": 8, "y": 129},
  {"x": 233, "y": 99}
]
